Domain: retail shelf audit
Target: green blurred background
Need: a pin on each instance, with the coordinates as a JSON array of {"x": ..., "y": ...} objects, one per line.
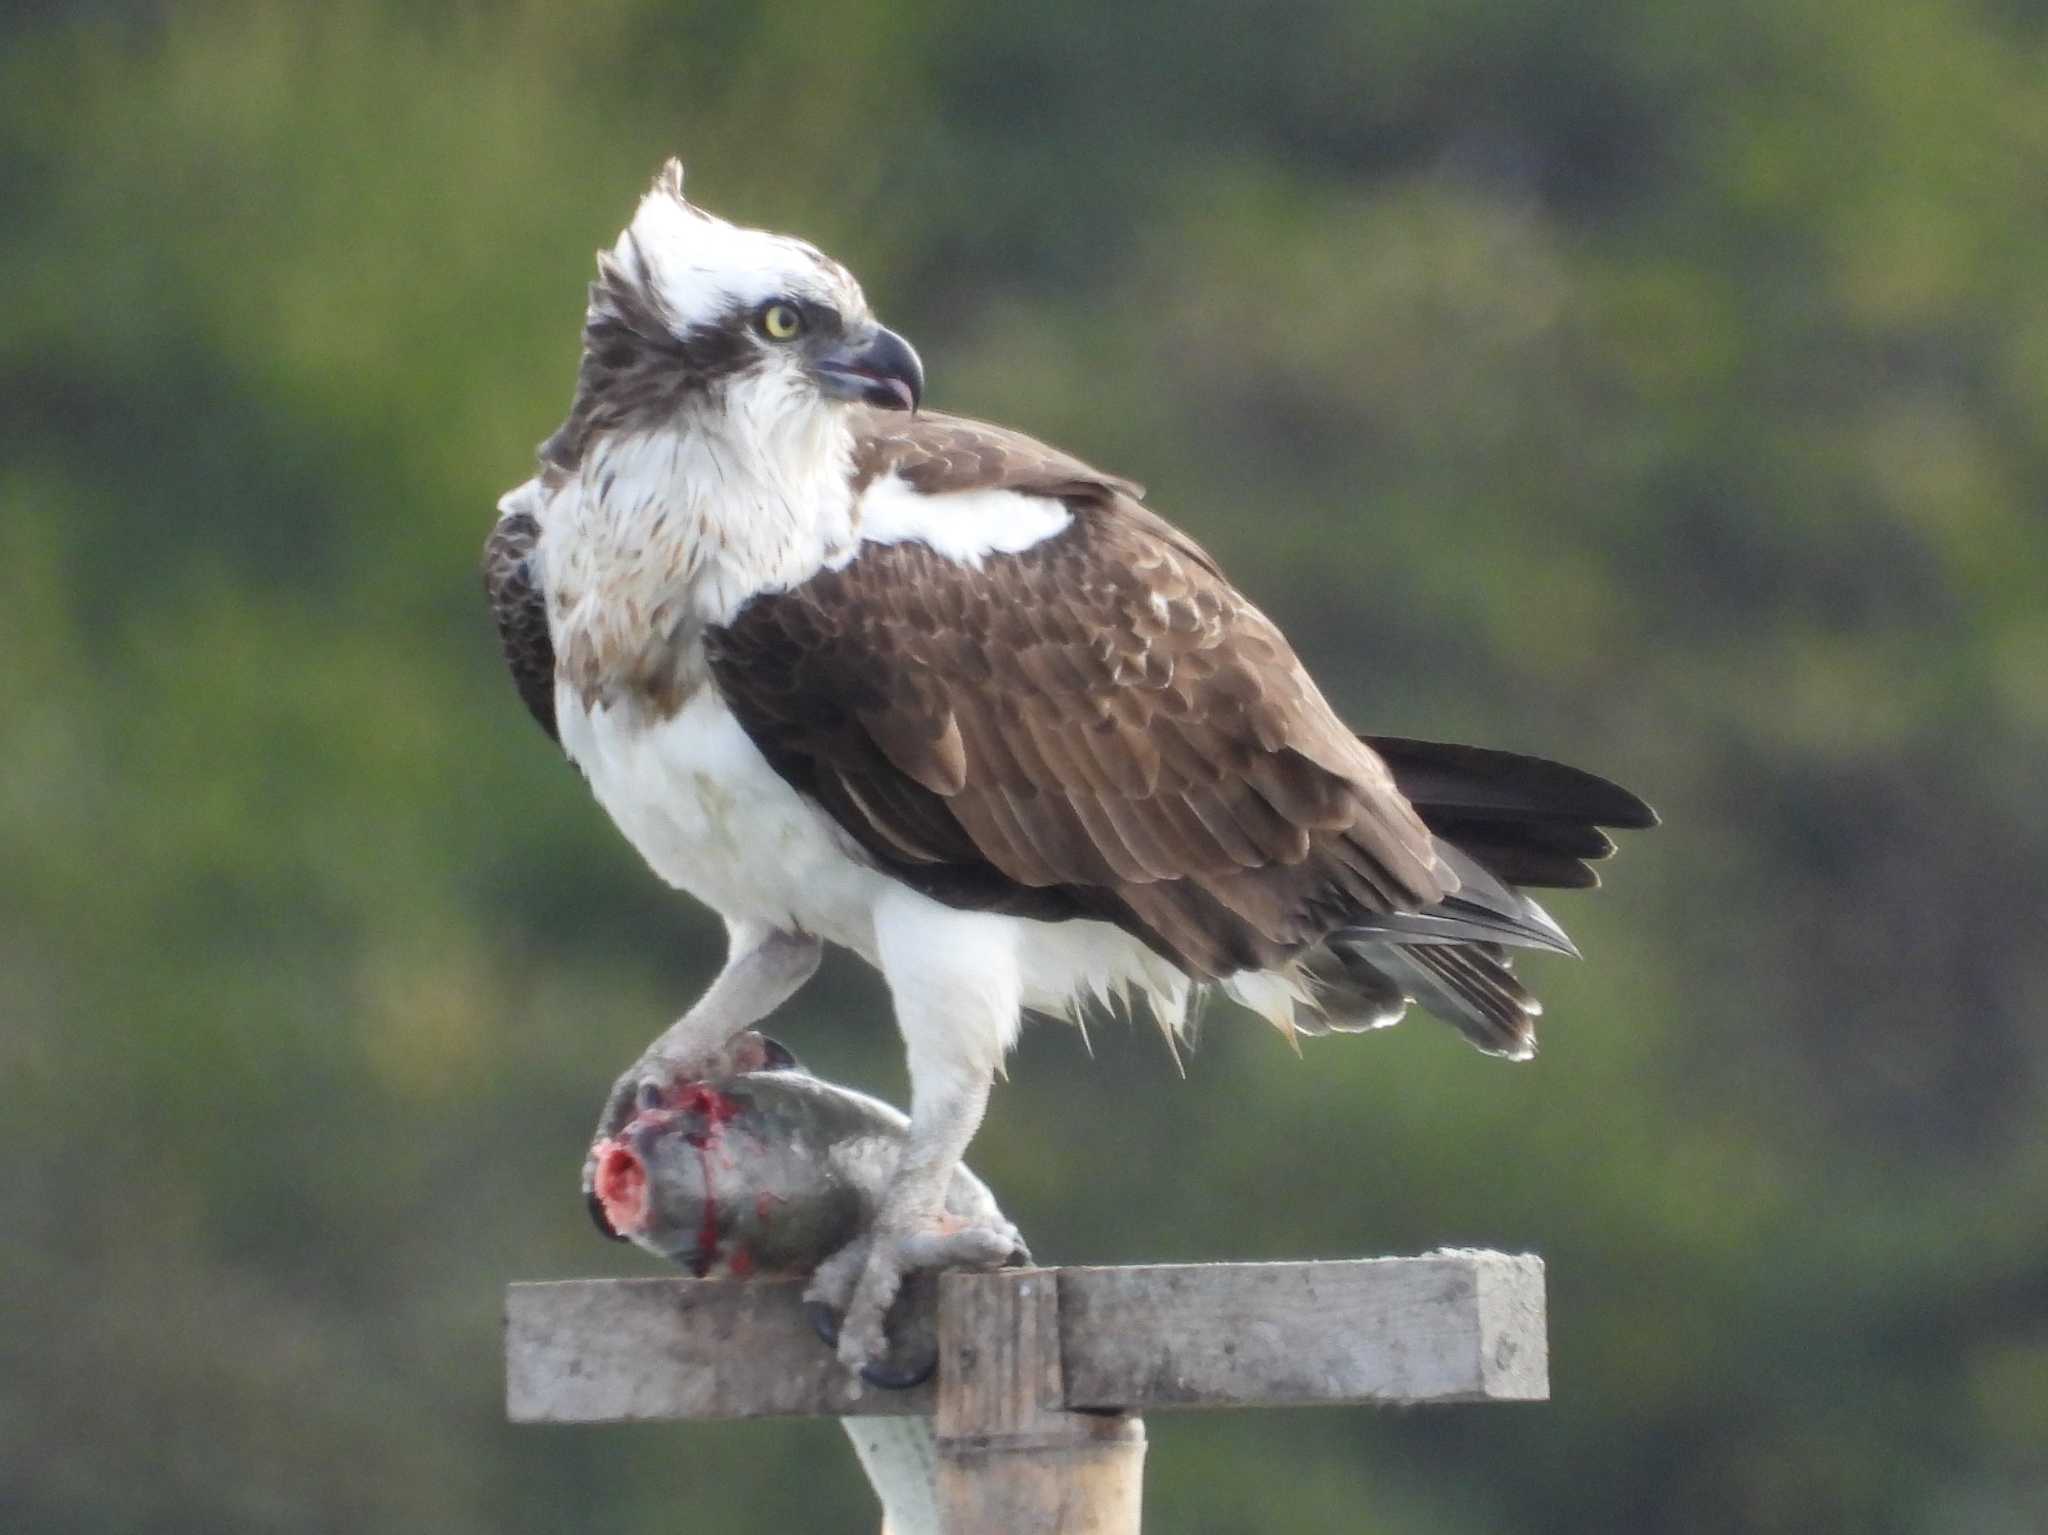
[{"x": 1663, "y": 387}]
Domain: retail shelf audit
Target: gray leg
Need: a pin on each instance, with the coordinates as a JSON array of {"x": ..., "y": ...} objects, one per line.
[
  {"x": 763, "y": 969},
  {"x": 953, "y": 978}
]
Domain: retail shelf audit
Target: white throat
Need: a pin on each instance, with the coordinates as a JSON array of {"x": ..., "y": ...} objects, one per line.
[{"x": 666, "y": 531}]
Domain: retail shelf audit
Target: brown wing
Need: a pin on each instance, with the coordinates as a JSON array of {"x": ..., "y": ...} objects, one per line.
[
  {"x": 520, "y": 610},
  {"x": 939, "y": 453},
  {"x": 1096, "y": 726}
]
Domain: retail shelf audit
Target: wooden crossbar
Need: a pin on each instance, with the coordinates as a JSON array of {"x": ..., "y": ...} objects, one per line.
[{"x": 1452, "y": 1326}]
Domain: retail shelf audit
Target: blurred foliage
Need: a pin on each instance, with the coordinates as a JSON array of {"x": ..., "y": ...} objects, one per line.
[{"x": 1663, "y": 387}]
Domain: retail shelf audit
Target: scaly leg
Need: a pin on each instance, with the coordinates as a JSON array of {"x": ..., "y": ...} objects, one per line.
[
  {"x": 953, "y": 978},
  {"x": 764, "y": 966}
]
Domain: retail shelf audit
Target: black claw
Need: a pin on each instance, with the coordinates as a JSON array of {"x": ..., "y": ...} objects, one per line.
[
  {"x": 598, "y": 1218},
  {"x": 777, "y": 1056},
  {"x": 886, "y": 1377},
  {"x": 824, "y": 1322},
  {"x": 883, "y": 1377}
]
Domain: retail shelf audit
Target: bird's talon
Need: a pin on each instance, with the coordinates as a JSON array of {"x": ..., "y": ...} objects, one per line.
[
  {"x": 824, "y": 1322},
  {"x": 886, "y": 1377}
]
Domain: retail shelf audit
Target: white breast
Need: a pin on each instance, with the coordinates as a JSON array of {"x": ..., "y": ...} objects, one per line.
[{"x": 701, "y": 804}]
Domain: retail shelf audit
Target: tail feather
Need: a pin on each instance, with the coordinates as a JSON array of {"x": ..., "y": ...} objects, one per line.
[
  {"x": 1485, "y": 784},
  {"x": 1488, "y": 1005},
  {"x": 1528, "y": 820},
  {"x": 1518, "y": 855},
  {"x": 1467, "y": 987},
  {"x": 1352, "y": 995},
  {"x": 1502, "y": 822}
]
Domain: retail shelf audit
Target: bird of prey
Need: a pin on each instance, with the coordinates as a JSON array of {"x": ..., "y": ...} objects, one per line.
[{"x": 850, "y": 672}]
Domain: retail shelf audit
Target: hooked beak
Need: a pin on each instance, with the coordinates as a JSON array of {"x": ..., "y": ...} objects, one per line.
[{"x": 880, "y": 369}]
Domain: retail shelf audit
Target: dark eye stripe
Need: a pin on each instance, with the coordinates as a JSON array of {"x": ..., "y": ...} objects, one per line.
[{"x": 812, "y": 318}]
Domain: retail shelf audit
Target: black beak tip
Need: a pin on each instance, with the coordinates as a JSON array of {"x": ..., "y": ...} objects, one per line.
[
  {"x": 898, "y": 372},
  {"x": 779, "y": 1056},
  {"x": 884, "y": 372}
]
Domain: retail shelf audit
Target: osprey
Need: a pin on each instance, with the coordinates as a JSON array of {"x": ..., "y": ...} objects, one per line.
[{"x": 952, "y": 699}]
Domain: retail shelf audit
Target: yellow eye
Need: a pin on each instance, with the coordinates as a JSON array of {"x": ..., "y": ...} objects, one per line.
[{"x": 781, "y": 322}]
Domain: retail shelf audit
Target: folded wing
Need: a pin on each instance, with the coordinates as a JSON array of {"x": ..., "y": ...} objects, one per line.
[{"x": 1093, "y": 725}]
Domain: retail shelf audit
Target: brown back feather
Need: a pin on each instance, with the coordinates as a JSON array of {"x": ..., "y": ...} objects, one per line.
[
  {"x": 520, "y": 612},
  {"x": 1096, "y": 726}
]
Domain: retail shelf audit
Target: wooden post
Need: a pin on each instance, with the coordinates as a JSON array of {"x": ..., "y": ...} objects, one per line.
[
  {"x": 1041, "y": 1371},
  {"x": 1011, "y": 1455}
]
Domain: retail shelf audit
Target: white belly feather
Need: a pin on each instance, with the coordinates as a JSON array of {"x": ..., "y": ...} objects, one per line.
[
  {"x": 711, "y": 817},
  {"x": 701, "y": 804}
]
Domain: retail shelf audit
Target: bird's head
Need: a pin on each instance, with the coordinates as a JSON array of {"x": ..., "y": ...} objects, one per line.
[{"x": 688, "y": 307}]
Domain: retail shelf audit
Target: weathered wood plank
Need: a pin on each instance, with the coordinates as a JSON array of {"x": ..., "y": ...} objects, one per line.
[
  {"x": 1010, "y": 1456},
  {"x": 1445, "y": 1327},
  {"x": 626, "y": 1350}
]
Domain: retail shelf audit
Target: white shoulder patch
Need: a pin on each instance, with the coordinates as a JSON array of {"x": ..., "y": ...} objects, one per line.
[{"x": 965, "y": 526}]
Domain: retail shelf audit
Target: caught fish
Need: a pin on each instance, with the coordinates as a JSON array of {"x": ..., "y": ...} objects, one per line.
[{"x": 765, "y": 1172}]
